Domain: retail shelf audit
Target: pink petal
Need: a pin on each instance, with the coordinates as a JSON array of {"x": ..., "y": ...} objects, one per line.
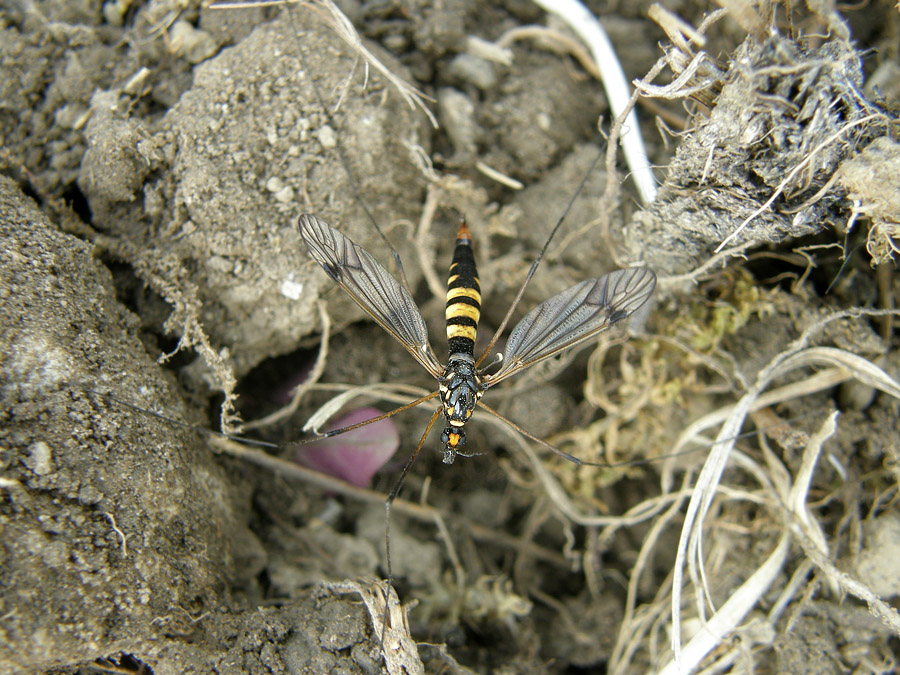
[{"x": 354, "y": 456}]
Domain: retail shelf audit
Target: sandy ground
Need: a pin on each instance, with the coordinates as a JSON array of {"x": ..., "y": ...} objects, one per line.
[{"x": 156, "y": 159}]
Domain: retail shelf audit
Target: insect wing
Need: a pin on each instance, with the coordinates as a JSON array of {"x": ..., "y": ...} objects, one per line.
[
  {"x": 371, "y": 286},
  {"x": 573, "y": 316}
]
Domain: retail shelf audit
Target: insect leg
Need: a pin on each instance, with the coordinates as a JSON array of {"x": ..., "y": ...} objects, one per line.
[
  {"x": 356, "y": 190},
  {"x": 372, "y": 420},
  {"x": 527, "y": 434},
  {"x": 387, "y": 512},
  {"x": 537, "y": 261}
]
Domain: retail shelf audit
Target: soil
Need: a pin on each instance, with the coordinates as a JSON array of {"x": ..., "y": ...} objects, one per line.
[{"x": 156, "y": 158}]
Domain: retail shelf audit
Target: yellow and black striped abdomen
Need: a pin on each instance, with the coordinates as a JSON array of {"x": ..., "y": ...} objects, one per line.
[{"x": 463, "y": 296}]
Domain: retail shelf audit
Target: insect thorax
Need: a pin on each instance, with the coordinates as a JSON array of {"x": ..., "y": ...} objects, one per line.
[{"x": 460, "y": 388}]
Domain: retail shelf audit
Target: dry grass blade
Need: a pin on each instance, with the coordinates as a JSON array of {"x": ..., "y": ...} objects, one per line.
[
  {"x": 770, "y": 129},
  {"x": 796, "y": 170},
  {"x": 343, "y": 27},
  {"x": 401, "y": 657},
  {"x": 301, "y": 390},
  {"x": 690, "y": 548},
  {"x": 328, "y": 410},
  {"x": 585, "y": 24},
  {"x": 730, "y": 615}
]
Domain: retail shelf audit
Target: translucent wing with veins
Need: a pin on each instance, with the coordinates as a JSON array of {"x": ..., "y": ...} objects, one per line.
[
  {"x": 371, "y": 286},
  {"x": 576, "y": 314}
]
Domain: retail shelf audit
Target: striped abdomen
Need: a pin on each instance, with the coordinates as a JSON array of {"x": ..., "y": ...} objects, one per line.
[
  {"x": 463, "y": 296},
  {"x": 460, "y": 384}
]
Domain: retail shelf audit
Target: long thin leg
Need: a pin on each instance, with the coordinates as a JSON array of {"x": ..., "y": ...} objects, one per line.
[
  {"x": 582, "y": 462},
  {"x": 536, "y": 439},
  {"x": 537, "y": 261},
  {"x": 345, "y": 162},
  {"x": 266, "y": 444},
  {"x": 387, "y": 516},
  {"x": 338, "y": 432},
  {"x": 186, "y": 425}
]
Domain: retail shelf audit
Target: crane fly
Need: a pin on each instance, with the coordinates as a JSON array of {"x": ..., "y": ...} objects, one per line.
[
  {"x": 565, "y": 320},
  {"x": 557, "y": 324}
]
